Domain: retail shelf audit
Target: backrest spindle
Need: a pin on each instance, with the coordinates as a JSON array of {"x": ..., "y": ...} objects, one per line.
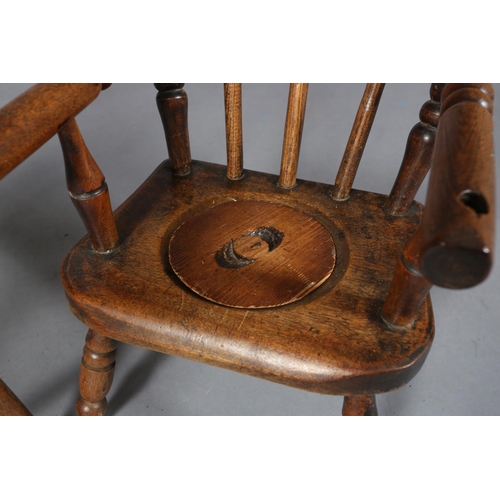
[
  {"x": 234, "y": 134},
  {"x": 418, "y": 155},
  {"x": 357, "y": 140},
  {"x": 10, "y": 404},
  {"x": 294, "y": 125}
]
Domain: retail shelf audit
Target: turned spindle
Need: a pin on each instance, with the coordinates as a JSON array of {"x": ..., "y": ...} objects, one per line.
[
  {"x": 418, "y": 155},
  {"x": 172, "y": 104},
  {"x": 294, "y": 125},
  {"x": 96, "y": 374},
  {"x": 409, "y": 287},
  {"x": 459, "y": 218},
  {"x": 30, "y": 120},
  {"x": 359, "y": 406},
  {"x": 88, "y": 189},
  {"x": 234, "y": 130},
  {"x": 357, "y": 140}
]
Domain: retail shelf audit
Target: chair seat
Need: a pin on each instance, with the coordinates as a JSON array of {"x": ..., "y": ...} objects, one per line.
[{"x": 133, "y": 295}]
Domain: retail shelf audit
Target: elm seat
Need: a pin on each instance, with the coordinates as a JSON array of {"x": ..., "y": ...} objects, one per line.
[{"x": 320, "y": 353}]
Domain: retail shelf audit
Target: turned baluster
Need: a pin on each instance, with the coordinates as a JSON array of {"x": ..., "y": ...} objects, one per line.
[
  {"x": 234, "y": 130},
  {"x": 453, "y": 247},
  {"x": 172, "y": 104},
  {"x": 409, "y": 287},
  {"x": 96, "y": 374},
  {"x": 357, "y": 140},
  {"x": 88, "y": 189},
  {"x": 294, "y": 125},
  {"x": 418, "y": 155}
]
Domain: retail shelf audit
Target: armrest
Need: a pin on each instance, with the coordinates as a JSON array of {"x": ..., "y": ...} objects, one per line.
[
  {"x": 459, "y": 219},
  {"x": 30, "y": 120}
]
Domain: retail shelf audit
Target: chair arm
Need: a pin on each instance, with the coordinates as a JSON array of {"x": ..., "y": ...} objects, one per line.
[
  {"x": 31, "y": 119},
  {"x": 459, "y": 218}
]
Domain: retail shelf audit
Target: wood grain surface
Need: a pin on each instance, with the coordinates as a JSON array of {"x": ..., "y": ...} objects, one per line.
[
  {"x": 10, "y": 404},
  {"x": 333, "y": 341},
  {"x": 252, "y": 254},
  {"x": 96, "y": 374},
  {"x": 172, "y": 104},
  {"x": 87, "y": 188},
  {"x": 418, "y": 154},
  {"x": 409, "y": 287},
  {"x": 31, "y": 119},
  {"x": 459, "y": 221},
  {"x": 292, "y": 139},
  {"x": 359, "y": 406},
  {"x": 357, "y": 140},
  {"x": 234, "y": 130}
]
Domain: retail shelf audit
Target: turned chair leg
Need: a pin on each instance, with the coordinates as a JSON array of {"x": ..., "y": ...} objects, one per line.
[
  {"x": 96, "y": 374},
  {"x": 361, "y": 406}
]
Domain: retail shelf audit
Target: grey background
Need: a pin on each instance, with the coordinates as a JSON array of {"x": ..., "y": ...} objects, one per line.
[{"x": 41, "y": 342}]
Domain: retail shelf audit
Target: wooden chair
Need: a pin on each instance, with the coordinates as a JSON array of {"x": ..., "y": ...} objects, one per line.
[{"x": 324, "y": 288}]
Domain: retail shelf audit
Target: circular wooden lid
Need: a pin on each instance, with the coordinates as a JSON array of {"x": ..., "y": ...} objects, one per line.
[{"x": 252, "y": 254}]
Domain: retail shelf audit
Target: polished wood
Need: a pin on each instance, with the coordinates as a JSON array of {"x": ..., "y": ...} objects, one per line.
[
  {"x": 409, "y": 287},
  {"x": 252, "y": 254},
  {"x": 83, "y": 175},
  {"x": 172, "y": 104},
  {"x": 481, "y": 93},
  {"x": 88, "y": 189},
  {"x": 31, "y": 119},
  {"x": 418, "y": 155},
  {"x": 332, "y": 341},
  {"x": 357, "y": 140},
  {"x": 453, "y": 247},
  {"x": 362, "y": 326},
  {"x": 10, "y": 404},
  {"x": 96, "y": 374},
  {"x": 359, "y": 406},
  {"x": 459, "y": 222},
  {"x": 234, "y": 130},
  {"x": 163, "y": 87},
  {"x": 294, "y": 125}
]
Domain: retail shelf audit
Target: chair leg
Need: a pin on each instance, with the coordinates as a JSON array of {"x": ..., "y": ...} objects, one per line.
[
  {"x": 96, "y": 374},
  {"x": 360, "y": 406}
]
